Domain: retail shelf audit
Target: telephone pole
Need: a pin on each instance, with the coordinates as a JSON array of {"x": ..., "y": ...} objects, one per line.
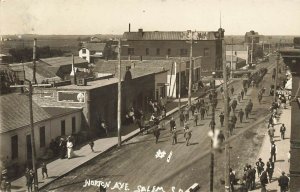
[
  {"x": 119, "y": 94},
  {"x": 251, "y": 50},
  {"x": 190, "y": 72},
  {"x": 34, "y": 61},
  {"x": 226, "y": 117},
  {"x": 212, "y": 155},
  {"x": 179, "y": 86}
]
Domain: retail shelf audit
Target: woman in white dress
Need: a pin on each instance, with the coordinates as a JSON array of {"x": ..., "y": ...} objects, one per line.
[{"x": 70, "y": 148}]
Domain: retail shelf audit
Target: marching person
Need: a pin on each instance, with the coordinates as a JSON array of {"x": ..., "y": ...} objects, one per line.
[
  {"x": 222, "y": 118},
  {"x": 282, "y": 131},
  {"x": 187, "y": 134},
  {"x": 70, "y": 148},
  {"x": 196, "y": 118},
  {"x": 29, "y": 179},
  {"x": 242, "y": 94},
  {"x": 231, "y": 179},
  {"x": 234, "y": 120},
  {"x": 181, "y": 119},
  {"x": 91, "y": 144},
  {"x": 252, "y": 177},
  {"x": 247, "y": 111},
  {"x": 283, "y": 182},
  {"x": 260, "y": 166},
  {"x": 241, "y": 115},
  {"x": 156, "y": 133},
  {"x": 263, "y": 180},
  {"x": 270, "y": 169},
  {"x": 239, "y": 98},
  {"x": 202, "y": 112},
  {"x": 232, "y": 90},
  {"x": 172, "y": 124},
  {"x": 273, "y": 150},
  {"x": 271, "y": 132}
]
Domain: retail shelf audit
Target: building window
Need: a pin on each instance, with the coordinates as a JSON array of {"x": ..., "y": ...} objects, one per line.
[
  {"x": 169, "y": 51},
  {"x": 147, "y": 51},
  {"x": 73, "y": 124},
  {"x": 14, "y": 147},
  {"x": 63, "y": 127},
  {"x": 42, "y": 137},
  {"x": 130, "y": 51},
  {"x": 157, "y": 51},
  {"x": 183, "y": 52},
  {"x": 206, "y": 52},
  {"x": 83, "y": 51}
]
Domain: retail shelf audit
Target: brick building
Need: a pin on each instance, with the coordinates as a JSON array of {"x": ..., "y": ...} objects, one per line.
[{"x": 144, "y": 45}]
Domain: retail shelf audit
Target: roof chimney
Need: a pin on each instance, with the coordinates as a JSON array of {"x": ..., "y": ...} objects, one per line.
[
  {"x": 73, "y": 72},
  {"x": 129, "y": 27}
]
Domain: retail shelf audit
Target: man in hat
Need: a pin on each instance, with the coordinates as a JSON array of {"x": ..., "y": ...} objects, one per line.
[
  {"x": 263, "y": 180},
  {"x": 271, "y": 133},
  {"x": 156, "y": 133},
  {"x": 231, "y": 179},
  {"x": 241, "y": 115},
  {"x": 260, "y": 166},
  {"x": 283, "y": 182},
  {"x": 282, "y": 131},
  {"x": 273, "y": 150},
  {"x": 222, "y": 118}
]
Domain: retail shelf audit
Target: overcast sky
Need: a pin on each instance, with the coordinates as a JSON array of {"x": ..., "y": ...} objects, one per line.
[{"x": 268, "y": 17}]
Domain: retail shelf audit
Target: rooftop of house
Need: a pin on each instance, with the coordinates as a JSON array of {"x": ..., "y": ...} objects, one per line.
[
  {"x": 236, "y": 48},
  {"x": 170, "y": 35},
  {"x": 14, "y": 112},
  {"x": 94, "y": 46},
  {"x": 91, "y": 84},
  {"x": 60, "y": 61},
  {"x": 251, "y": 33},
  {"x": 234, "y": 58}
]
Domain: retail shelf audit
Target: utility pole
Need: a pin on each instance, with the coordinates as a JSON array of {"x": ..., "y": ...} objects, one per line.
[
  {"x": 212, "y": 155},
  {"x": 32, "y": 137},
  {"x": 190, "y": 72},
  {"x": 34, "y": 61},
  {"x": 276, "y": 75},
  {"x": 226, "y": 117},
  {"x": 231, "y": 62},
  {"x": 119, "y": 94},
  {"x": 179, "y": 86}
]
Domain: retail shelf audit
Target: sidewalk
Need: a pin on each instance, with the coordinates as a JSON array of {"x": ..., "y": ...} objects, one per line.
[
  {"x": 283, "y": 147},
  {"x": 60, "y": 167}
]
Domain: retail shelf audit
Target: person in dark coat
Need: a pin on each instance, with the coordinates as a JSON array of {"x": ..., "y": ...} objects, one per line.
[
  {"x": 91, "y": 144},
  {"x": 44, "y": 170},
  {"x": 231, "y": 179},
  {"x": 263, "y": 180},
  {"x": 247, "y": 111},
  {"x": 202, "y": 112},
  {"x": 250, "y": 106},
  {"x": 270, "y": 169},
  {"x": 242, "y": 94},
  {"x": 283, "y": 182},
  {"x": 260, "y": 166},
  {"x": 198, "y": 106},
  {"x": 222, "y": 119},
  {"x": 63, "y": 148},
  {"x": 181, "y": 119},
  {"x": 187, "y": 134},
  {"x": 230, "y": 127},
  {"x": 232, "y": 90},
  {"x": 29, "y": 179},
  {"x": 282, "y": 131},
  {"x": 172, "y": 124},
  {"x": 193, "y": 108},
  {"x": 252, "y": 178},
  {"x": 273, "y": 150},
  {"x": 241, "y": 115},
  {"x": 156, "y": 133},
  {"x": 234, "y": 104},
  {"x": 234, "y": 120},
  {"x": 196, "y": 118}
]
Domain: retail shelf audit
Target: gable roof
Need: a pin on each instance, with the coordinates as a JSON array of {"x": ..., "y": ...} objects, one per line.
[
  {"x": 14, "y": 112},
  {"x": 61, "y": 61},
  {"x": 94, "y": 46},
  {"x": 170, "y": 35}
]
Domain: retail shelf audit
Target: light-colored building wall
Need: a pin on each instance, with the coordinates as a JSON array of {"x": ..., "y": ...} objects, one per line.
[
  {"x": 85, "y": 55},
  {"x": 52, "y": 130}
]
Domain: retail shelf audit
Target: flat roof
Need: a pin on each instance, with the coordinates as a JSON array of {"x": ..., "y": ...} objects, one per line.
[{"x": 91, "y": 84}]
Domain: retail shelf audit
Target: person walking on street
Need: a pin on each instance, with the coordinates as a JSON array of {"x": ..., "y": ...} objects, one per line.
[
  {"x": 181, "y": 119},
  {"x": 222, "y": 119},
  {"x": 241, "y": 115},
  {"x": 187, "y": 135},
  {"x": 282, "y": 131},
  {"x": 172, "y": 124},
  {"x": 196, "y": 118},
  {"x": 186, "y": 114},
  {"x": 234, "y": 120},
  {"x": 273, "y": 150},
  {"x": 242, "y": 94},
  {"x": 270, "y": 169},
  {"x": 156, "y": 133},
  {"x": 252, "y": 178},
  {"x": 271, "y": 132},
  {"x": 230, "y": 127},
  {"x": 234, "y": 104},
  {"x": 206, "y": 108},
  {"x": 29, "y": 179},
  {"x": 44, "y": 170},
  {"x": 202, "y": 111},
  {"x": 250, "y": 106},
  {"x": 247, "y": 112},
  {"x": 198, "y": 106},
  {"x": 193, "y": 108},
  {"x": 260, "y": 166},
  {"x": 283, "y": 182},
  {"x": 263, "y": 180},
  {"x": 259, "y": 97},
  {"x": 239, "y": 98},
  {"x": 212, "y": 124},
  {"x": 174, "y": 136},
  {"x": 245, "y": 91},
  {"x": 232, "y": 90}
]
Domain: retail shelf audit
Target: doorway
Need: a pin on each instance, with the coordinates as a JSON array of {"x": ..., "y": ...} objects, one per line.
[{"x": 28, "y": 145}]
